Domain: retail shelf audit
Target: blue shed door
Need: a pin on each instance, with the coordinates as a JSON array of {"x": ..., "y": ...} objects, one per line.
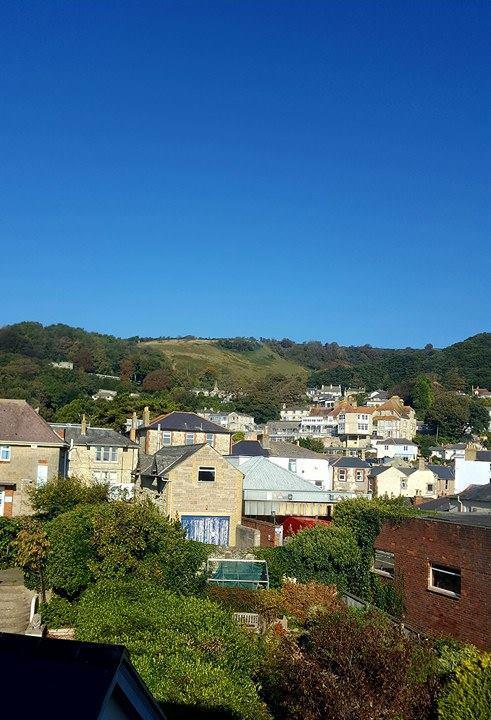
[{"x": 207, "y": 529}]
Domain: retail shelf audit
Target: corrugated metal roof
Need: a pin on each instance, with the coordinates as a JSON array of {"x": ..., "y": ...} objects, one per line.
[{"x": 261, "y": 474}]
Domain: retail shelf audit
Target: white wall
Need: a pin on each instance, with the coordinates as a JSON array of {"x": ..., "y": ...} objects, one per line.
[
  {"x": 397, "y": 451},
  {"x": 471, "y": 472},
  {"x": 313, "y": 470}
]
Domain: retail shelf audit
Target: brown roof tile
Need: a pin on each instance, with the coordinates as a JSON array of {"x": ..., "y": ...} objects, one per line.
[{"x": 20, "y": 423}]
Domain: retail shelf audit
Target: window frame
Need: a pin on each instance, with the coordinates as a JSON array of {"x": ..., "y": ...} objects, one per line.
[
  {"x": 292, "y": 465},
  {"x": 387, "y": 559},
  {"x": 186, "y": 436},
  {"x": 344, "y": 476},
  {"x": 166, "y": 435},
  {"x": 8, "y": 448},
  {"x": 447, "y": 570},
  {"x": 207, "y": 439},
  {"x": 207, "y": 469},
  {"x": 101, "y": 451}
]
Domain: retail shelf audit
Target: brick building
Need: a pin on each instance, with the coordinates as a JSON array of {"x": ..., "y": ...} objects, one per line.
[{"x": 442, "y": 565}]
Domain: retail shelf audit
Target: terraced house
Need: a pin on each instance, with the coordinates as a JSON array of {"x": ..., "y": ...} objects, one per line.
[
  {"x": 30, "y": 454},
  {"x": 180, "y": 428},
  {"x": 197, "y": 485},
  {"x": 99, "y": 455}
]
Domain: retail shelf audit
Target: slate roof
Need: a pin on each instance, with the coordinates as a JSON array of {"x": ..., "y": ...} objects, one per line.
[
  {"x": 351, "y": 462},
  {"x": 477, "y": 493},
  {"x": 442, "y": 471},
  {"x": 378, "y": 469},
  {"x": 19, "y": 422},
  {"x": 469, "y": 519},
  {"x": 483, "y": 455},
  {"x": 395, "y": 441},
  {"x": 165, "y": 459},
  {"x": 442, "y": 504},
  {"x": 249, "y": 448},
  {"x": 186, "y": 421},
  {"x": 94, "y": 436},
  {"x": 69, "y": 678}
]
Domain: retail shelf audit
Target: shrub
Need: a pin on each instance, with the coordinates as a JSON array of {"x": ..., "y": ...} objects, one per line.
[
  {"x": 8, "y": 532},
  {"x": 58, "y": 613},
  {"x": 68, "y": 568},
  {"x": 188, "y": 650},
  {"x": 467, "y": 695},
  {"x": 62, "y": 494},
  {"x": 322, "y": 554},
  {"x": 349, "y": 665}
]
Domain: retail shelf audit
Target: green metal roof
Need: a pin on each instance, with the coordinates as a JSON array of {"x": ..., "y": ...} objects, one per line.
[{"x": 262, "y": 474}]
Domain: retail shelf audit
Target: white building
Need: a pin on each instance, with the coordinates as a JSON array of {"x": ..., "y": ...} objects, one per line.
[
  {"x": 294, "y": 413},
  {"x": 233, "y": 421},
  {"x": 473, "y": 469},
  {"x": 318, "y": 425},
  {"x": 401, "y": 449}
]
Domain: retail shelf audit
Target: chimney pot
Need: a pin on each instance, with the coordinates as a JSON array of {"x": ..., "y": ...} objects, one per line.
[
  {"x": 146, "y": 416},
  {"x": 83, "y": 428},
  {"x": 133, "y": 428}
]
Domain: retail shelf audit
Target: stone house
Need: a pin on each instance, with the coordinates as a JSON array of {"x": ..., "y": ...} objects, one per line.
[
  {"x": 180, "y": 428},
  {"x": 351, "y": 474},
  {"x": 355, "y": 425},
  {"x": 394, "y": 419},
  {"x": 99, "y": 455},
  {"x": 30, "y": 454},
  {"x": 197, "y": 485}
]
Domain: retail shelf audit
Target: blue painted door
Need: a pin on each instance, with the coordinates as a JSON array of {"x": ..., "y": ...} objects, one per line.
[{"x": 207, "y": 528}]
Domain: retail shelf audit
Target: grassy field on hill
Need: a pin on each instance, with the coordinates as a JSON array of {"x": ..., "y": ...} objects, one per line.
[{"x": 194, "y": 357}]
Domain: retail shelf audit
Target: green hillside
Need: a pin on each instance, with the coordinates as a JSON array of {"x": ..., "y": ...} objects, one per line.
[{"x": 196, "y": 357}]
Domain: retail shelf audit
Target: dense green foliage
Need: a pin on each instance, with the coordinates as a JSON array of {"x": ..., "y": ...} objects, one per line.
[
  {"x": 61, "y": 494},
  {"x": 188, "y": 650},
  {"x": 349, "y": 665},
  {"x": 312, "y": 444},
  {"x": 8, "y": 532},
  {"x": 59, "y": 612},
  {"x": 467, "y": 694},
  {"x": 321, "y": 554},
  {"x": 116, "y": 540}
]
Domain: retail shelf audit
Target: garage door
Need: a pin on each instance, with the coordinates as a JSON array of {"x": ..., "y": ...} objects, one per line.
[{"x": 207, "y": 528}]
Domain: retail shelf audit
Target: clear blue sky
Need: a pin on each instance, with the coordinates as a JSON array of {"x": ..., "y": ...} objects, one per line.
[{"x": 311, "y": 169}]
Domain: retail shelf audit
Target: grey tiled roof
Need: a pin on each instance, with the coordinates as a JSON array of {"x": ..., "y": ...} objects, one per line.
[
  {"x": 249, "y": 448},
  {"x": 187, "y": 421},
  {"x": 442, "y": 471},
  {"x": 470, "y": 519},
  {"x": 280, "y": 448},
  {"x": 95, "y": 436},
  {"x": 396, "y": 441},
  {"x": 351, "y": 462},
  {"x": 19, "y": 422},
  {"x": 478, "y": 493}
]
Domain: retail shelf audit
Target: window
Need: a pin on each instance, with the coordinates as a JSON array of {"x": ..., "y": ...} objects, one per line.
[
  {"x": 292, "y": 465},
  {"x": 444, "y": 580},
  {"x": 209, "y": 439},
  {"x": 189, "y": 438},
  {"x": 405, "y": 448},
  {"x": 359, "y": 476},
  {"x": 342, "y": 475},
  {"x": 106, "y": 454},
  {"x": 429, "y": 488},
  {"x": 386, "y": 447},
  {"x": 403, "y": 485},
  {"x": 4, "y": 453},
  {"x": 166, "y": 438},
  {"x": 383, "y": 563},
  {"x": 206, "y": 474}
]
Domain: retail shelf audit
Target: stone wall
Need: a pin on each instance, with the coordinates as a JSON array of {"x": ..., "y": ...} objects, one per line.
[
  {"x": 82, "y": 463},
  {"x": 151, "y": 441},
  {"x": 22, "y": 468}
]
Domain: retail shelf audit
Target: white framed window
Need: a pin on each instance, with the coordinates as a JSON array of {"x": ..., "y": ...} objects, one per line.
[
  {"x": 403, "y": 485},
  {"x": 444, "y": 580},
  {"x": 405, "y": 448},
  {"x": 342, "y": 475},
  {"x": 209, "y": 439},
  {"x": 429, "y": 488},
  {"x": 206, "y": 474},
  {"x": 189, "y": 438},
  {"x": 5, "y": 453},
  {"x": 359, "y": 476},
  {"x": 292, "y": 465},
  {"x": 166, "y": 438},
  {"x": 105, "y": 453},
  {"x": 386, "y": 447},
  {"x": 383, "y": 563}
]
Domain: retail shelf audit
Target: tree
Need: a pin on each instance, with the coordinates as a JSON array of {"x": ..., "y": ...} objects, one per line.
[
  {"x": 479, "y": 417},
  {"x": 61, "y": 494},
  {"x": 312, "y": 444},
  {"x": 349, "y": 665},
  {"x": 159, "y": 379},
  {"x": 449, "y": 414},
  {"x": 31, "y": 547},
  {"x": 187, "y": 650},
  {"x": 422, "y": 395}
]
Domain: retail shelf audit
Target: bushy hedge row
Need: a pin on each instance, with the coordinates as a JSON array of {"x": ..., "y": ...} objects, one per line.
[{"x": 8, "y": 532}]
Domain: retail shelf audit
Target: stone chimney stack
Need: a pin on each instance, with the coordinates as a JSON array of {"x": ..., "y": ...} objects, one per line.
[
  {"x": 133, "y": 428},
  {"x": 146, "y": 416},
  {"x": 421, "y": 464},
  {"x": 264, "y": 439},
  {"x": 83, "y": 427},
  {"x": 363, "y": 453}
]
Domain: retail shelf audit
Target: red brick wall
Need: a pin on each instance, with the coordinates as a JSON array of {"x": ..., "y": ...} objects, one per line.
[
  {"x": 417, "y": 543},
  {"x": 266, "y": 530}
]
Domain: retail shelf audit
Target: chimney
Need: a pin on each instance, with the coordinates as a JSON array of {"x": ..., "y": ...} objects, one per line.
[
  {"x": 146, "y": 416},
  {"x": 264, "y": 439},
  {"x": 133, "y": 428},
  {"x": 83, "y": 428},
  {"x": 470, "y": 453},
  {"x": 421, "y": 464},
  {"x": 363, "y": 454}
]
